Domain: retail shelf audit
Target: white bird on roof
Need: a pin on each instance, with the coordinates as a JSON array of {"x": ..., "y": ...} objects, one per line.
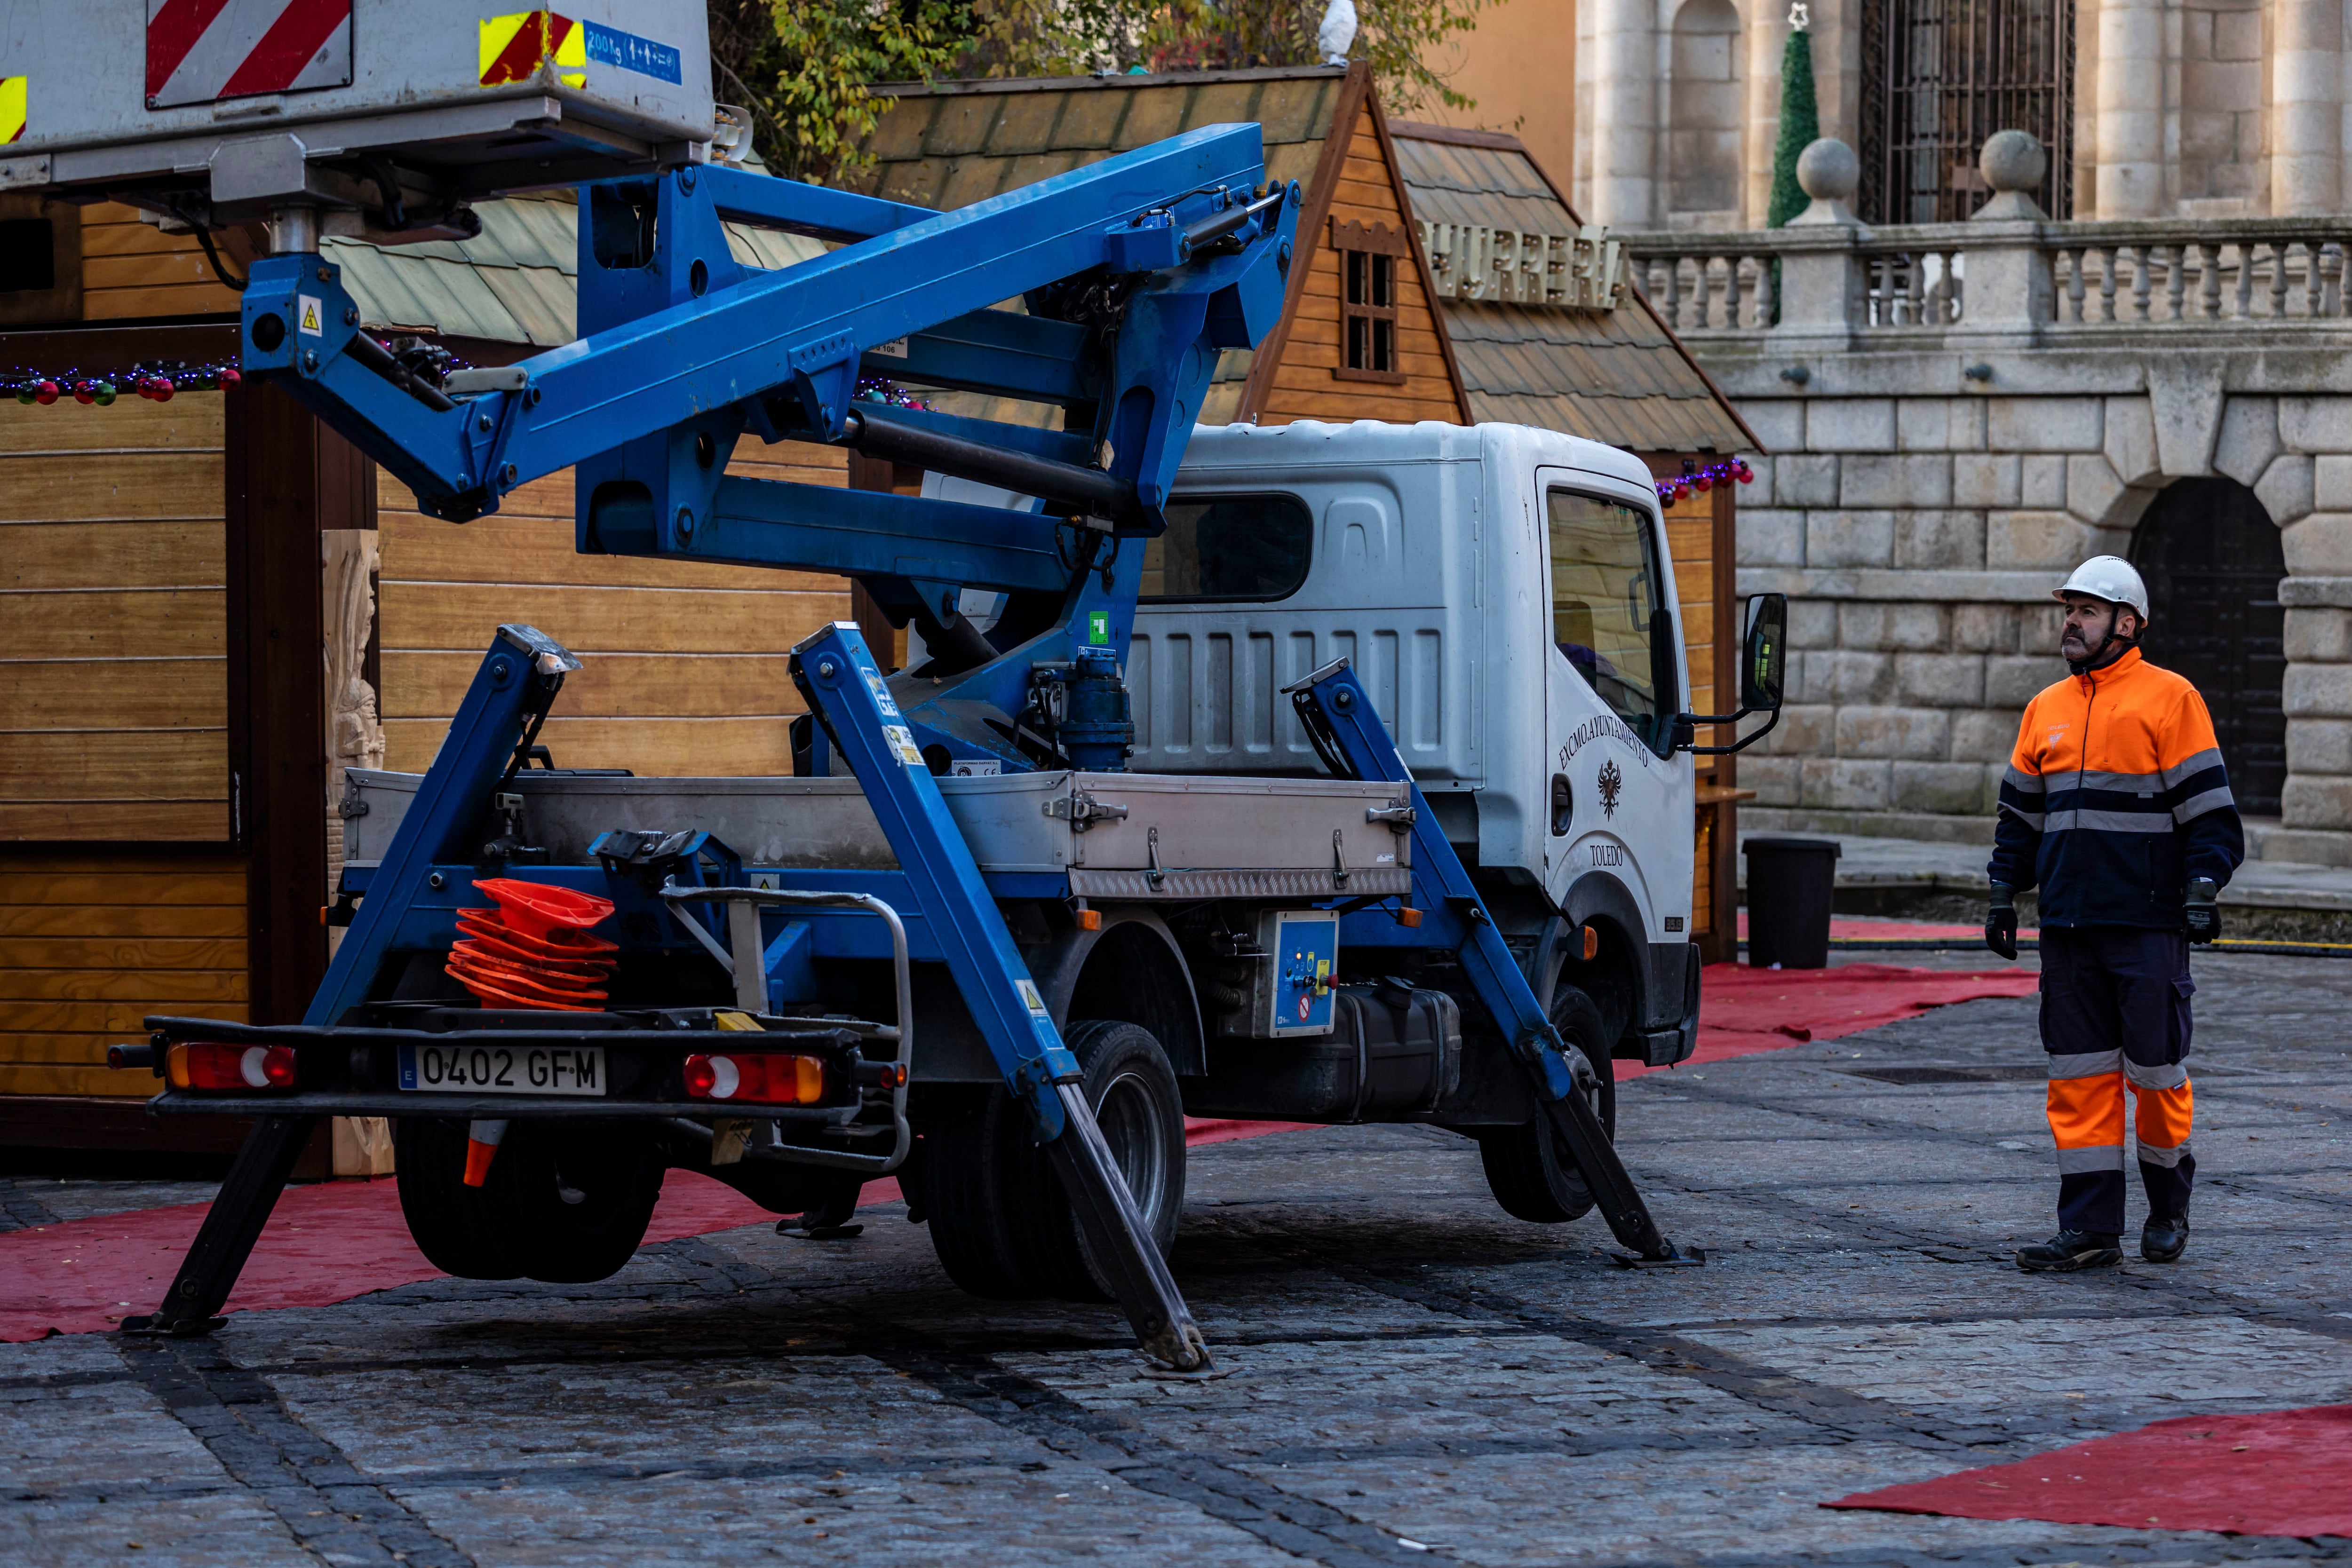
[{"x": 1336, "y": 31}]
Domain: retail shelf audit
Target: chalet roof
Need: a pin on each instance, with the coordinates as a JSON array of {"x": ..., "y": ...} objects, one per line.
[
  {"x": 516, "y": 282},
  {"x": 949, "y": 144},
  {"x": 1616, "y": 376}
]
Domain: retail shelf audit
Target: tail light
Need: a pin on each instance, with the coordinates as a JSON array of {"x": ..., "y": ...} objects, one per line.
[
  {"x": 757, "y": 1077},
  {"x": 209, "y": 1064}
]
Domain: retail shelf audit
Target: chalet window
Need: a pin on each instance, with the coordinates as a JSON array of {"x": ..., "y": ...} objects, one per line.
[
  {"x": 27, "y": 258},
  {"x": 1369, "y": 258},
  {"x": 40, "y": 260},
  {"x": 1939, "y": 76}
]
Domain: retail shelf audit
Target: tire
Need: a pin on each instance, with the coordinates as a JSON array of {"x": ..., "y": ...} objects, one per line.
[
  {"x": 1141, "y": 1111},
  {"x": 1000, "y": 1221},
  {"x": 565, "y": 1204},
  {"x": 1529, "y": 1168}
]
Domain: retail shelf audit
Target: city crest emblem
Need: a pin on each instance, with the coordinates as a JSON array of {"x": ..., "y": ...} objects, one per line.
[{"x": 1612, "y": 784}]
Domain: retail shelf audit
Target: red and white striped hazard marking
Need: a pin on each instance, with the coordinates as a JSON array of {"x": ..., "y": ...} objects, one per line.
[{"x": 200, "y": 50}]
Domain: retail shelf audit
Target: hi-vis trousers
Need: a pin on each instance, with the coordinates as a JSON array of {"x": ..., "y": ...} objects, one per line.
[{"x": 2114, "y": 1011}]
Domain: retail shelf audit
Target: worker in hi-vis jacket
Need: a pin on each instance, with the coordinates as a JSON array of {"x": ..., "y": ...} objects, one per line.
[{"x": 2117, "y": 805}]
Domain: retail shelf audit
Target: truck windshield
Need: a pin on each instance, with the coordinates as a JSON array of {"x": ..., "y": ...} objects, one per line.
[
  {"x": 1604, "y": 576},
  {"x": 1230, "y": 547}
]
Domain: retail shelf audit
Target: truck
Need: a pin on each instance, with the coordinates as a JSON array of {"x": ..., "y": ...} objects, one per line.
[{"x": 1421, "y": 852}]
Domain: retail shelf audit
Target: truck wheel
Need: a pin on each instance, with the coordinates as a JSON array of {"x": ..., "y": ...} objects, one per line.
[
  {"x": 1000, "y": 1221},
  {"x": 1142, "y": 1114},
  {"x": 567, "y": 1206},
  {"x": 1529, "y": 1169},
  {"x": 445, "y": 1216}
]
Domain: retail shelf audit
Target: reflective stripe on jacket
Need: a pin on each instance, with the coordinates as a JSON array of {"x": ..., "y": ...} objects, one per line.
[{"x": 2115, "y": 796}]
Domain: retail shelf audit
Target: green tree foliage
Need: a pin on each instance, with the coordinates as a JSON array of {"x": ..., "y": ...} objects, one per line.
[
  {"x": 1064, "y": 38},
  {"x": 807, "y": 69},
  {"x": 1800, "y": 126}
]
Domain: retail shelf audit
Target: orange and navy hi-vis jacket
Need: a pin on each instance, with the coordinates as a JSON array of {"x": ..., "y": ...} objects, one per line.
[{"x": 2114, "y": 797}]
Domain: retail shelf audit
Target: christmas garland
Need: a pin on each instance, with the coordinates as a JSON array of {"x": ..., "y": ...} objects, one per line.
[
  {"x": 1702, "y": 480},
  {"x": 155, "y": 380},
  {"x": 883, "y": 390}
]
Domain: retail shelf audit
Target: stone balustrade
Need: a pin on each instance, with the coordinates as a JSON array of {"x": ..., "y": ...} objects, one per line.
[{"x": 2090, "y": 275}]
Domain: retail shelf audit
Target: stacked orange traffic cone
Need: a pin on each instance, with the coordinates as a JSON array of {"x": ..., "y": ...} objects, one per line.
[{"x": 533, "y": 950}]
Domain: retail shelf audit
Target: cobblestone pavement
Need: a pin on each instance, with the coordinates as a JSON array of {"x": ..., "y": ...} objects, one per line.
[{"x": 1412, "y": 1376}]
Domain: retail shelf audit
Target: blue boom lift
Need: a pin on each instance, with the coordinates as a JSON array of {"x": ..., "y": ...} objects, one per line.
[{"x": 1135, "y": 273}]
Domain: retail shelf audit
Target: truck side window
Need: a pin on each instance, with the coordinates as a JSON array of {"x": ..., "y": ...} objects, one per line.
[
  {"x": 1229, "y": 548},
  {"x": 1604, "y": 577}
]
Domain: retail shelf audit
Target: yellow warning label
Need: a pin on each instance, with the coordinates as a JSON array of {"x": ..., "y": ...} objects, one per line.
[
  {"x": 512, "y": 47},
  {"x": 1030, "y": 998},
  {"x": 310, "y": 319},
  {"x": 901, "y": 741},
  {"x": 12, "y": 107}
]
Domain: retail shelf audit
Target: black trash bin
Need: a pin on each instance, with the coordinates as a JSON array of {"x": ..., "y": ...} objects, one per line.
[{"x": 1789, "y": 882}]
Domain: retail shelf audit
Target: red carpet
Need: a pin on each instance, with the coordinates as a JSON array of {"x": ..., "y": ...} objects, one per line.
[
  {"x": 1744, "y": 1010},
  {"x": 2282, "y": 1472},
  {"x": 324, "y": 1243},
  {"x": 330, "y": 1242}
]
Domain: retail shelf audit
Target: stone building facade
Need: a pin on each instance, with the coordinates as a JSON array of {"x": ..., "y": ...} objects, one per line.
[
  {"x": 1957, "y": 413},
  {"x": 2155, "y": 108}
]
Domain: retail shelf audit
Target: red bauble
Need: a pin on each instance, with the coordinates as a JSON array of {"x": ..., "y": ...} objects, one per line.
[{"x": 45, "y": 392}]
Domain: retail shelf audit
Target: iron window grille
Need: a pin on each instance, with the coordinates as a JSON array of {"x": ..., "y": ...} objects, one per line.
[{"x": 1939, "y": 76}]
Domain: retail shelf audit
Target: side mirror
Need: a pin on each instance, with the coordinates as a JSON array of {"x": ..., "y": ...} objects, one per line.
[{"x": 1762, "y": 668}]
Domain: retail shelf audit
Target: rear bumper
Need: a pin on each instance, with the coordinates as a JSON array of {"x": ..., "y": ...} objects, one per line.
[{"x": 355, "y": 1071}]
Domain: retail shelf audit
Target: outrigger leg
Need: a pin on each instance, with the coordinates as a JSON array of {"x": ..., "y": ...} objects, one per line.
[
  {"x": 231, "y": 1226},
  {"x": 848, "y": 693},
  {"x": 488, "y": 740},
  {"x": 1339, "y": 716}
]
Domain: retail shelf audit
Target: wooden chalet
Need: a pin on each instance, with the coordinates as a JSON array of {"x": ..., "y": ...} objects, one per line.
[{"x": 210, "y": 606}]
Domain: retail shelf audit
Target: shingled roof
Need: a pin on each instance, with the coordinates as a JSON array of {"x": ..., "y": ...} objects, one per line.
[
  {"x": 949, "y": 144},
  {"x": 516, "y": 282},
  {"x": 1616, "y": 376}
]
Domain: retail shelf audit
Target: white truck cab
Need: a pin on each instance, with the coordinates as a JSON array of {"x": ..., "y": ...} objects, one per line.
[{"x": 1508, "y": 596}]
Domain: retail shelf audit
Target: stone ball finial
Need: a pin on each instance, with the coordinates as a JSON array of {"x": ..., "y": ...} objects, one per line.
[
  {"x": 1829, "y": 170},
  {"x": 2013, "y": 160}
]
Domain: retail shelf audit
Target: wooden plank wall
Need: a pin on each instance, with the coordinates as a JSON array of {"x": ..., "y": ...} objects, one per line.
[
  {"x": 130, "y": 268},
  {"x": 1303, "y": 387},
  {"x": 685, "y": 665},
  {"x": 1690, "y": 535},
  {"x": 113, "y": 622},
  {"x": 90, "y": 944}
]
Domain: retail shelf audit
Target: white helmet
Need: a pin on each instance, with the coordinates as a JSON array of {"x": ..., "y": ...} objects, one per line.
[{"x": 2107, "y": 576}]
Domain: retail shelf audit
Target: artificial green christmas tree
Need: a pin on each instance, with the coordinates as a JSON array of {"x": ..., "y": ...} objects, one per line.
[{"x": 1800, "y": 120}]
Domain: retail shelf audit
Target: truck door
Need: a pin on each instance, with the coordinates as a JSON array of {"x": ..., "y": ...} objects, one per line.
[{"x": 1619, "y": 799}]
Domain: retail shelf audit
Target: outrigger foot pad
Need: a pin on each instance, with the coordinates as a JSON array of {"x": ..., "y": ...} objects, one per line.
[
  {"x": 1672, "y": 1257},
  {"x": 156, "y": 1326}
]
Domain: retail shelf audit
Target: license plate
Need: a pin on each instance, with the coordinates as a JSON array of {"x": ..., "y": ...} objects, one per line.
[{"x": 465, "y": 1068}]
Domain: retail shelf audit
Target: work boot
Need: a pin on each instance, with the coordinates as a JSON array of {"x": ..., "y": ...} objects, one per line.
[
  {"x": 2071, "y": 1250},
  {"x": 2164, "y": 1237}
]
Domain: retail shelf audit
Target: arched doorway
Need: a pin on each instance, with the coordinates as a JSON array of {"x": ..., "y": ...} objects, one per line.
[{"x": 2213, "y": 560}]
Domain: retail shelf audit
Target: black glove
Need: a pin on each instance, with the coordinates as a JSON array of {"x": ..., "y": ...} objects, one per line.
[
  {"x": 2203, "y": 913},
  {"x": 2000, "y": 921}
]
